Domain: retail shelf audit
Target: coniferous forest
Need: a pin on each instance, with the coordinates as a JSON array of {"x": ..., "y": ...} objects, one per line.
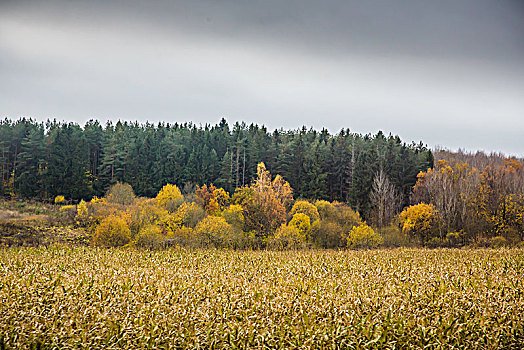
[{"x": 43, "y": 160}]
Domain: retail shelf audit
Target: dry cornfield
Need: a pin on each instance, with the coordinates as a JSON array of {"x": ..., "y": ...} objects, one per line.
[{"x": 79, "y": 297}]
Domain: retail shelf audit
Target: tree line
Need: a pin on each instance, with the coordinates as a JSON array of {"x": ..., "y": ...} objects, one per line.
[
  {"x": 469, "y": 198},
  {"x": 372, "y": 173}
]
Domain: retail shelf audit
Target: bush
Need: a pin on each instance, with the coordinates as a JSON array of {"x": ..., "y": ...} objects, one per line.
[
  {"x": 304, "y": 207},
  {"x": 121, "y": 193},
  {"x": 302, "y": 223},
  {"x": 363, "y": 236},
  {"x": 327, "y": 234},
  {"x": 287, "y": 237},
  {"x": 113, "y": 231},
  {"x": 347, "y": 217},
  {"x": 498, "y": 242},
  {"x": 170, "y": 197},
  {"x": 394, "y": 237},
  {"x": 66, "y": 215},
  {"x": 454, "y": 240},
  {"x": 145, "y": 212},
  {"x": 326, "y": 210},
  {"x": 150, "y": 236},
  {"x": 234, "y": 215},
  {"x": 182, "y": 235},
  {"x": 99, "y": 209},
  {"x": 82, "y": 213},
  {"x": 214, "y": 230},
  {"x": 190, "y": 214},
  {"x": 434, "y": 242},
  {"x": 59, "y": 200}
]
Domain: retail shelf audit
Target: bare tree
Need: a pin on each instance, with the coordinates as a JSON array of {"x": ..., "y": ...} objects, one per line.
[{"x": 385, "y": 199}]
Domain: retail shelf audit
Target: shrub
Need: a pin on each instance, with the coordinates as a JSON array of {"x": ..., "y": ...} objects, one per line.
[
  {"x": 434, "y": 242},
  {"x": 234, "y": 215},
  {"x": 170, "y": 197},
  {"x": 113, "y": 231},
  {"x": 183, "y": 234},
  {"x": 190, "y": 214},
  {"x": 214, "y": 230},
  {"x": 326, "y": 210},
  {"x": 82, "y": 213},
  {"x": 347, "y": 217},
  {"x": 302, "y": 223},
  {"x": 394, "y": 237},
  {"x": 363, "y": 236},
  {"x": 327, "y": 234},
  {"x": 287, "y": 237},
  {"x": 100, "y": 209},
  {"x": 150, "y": 236},
  {"x": 121, "y": 193},
  {"x": 59, "y": 199},
  {"x": 498, "y": 242},
  {"x": 146, "y": 212},
  {"x": 66, "y": 215},
  {"x": 454, "y": 239},
  {"x": 306, "y": 208}
]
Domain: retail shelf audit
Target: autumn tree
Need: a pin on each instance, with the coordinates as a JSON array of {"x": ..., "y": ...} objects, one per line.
[
  {"x": 263, "y": 202},
  {"x": 385, "y": 200},
  {"x": 169, "y": 197},
  {"x": 213, "y": 199},
  {"x": 421, "y": 221}
]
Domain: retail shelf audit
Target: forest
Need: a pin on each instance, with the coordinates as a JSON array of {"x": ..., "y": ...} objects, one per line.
[
  {"x": 244, "y": 186},
  {"x": 43, "y": 160}
]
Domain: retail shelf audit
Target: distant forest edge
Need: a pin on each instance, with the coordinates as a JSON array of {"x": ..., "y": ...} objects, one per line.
[
  {"x": 444, "y": 198},
  {"x": 43, "y": 160}
]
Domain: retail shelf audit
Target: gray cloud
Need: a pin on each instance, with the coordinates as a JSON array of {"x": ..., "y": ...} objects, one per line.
[{"x": 448, "y": 72}]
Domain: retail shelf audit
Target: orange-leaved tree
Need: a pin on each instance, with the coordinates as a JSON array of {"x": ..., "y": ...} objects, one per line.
[{"x": 264, "y": 202}]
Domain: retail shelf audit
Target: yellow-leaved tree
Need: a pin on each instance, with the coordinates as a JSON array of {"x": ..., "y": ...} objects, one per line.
[
  {"x": 263, "y": 202},
  {"x": 170, "y": 197},
  {"x": 420, "y": 221},
  {"x": 302, "y": 223},
  {"x": 306, "y": 208}
]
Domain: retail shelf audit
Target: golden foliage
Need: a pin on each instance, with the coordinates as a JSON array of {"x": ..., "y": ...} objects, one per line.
[
  {"x": 82, "y": 213},
  {"x": 234, "y": 215},
  {"x": 306, "y": 208},
  {"x": 328, "y": 234},
  {"x": 363, "y": 236},
  {"x": 113, "y": 231},
  {"x": 213, "y": 199},
  {"x": 263, "y": 202},
  {"x": 215, "y": 229},
  {"x": 169, "y": 197},
  {"x": 189, "y": 214},
  {"x": 59, "y": 199},
  {"x": 326, "y": 210},
  {"x": 302, "y": 223},
  {"x": 419, "y": 220},
  {"x": 287, "y": 237},
  {"x": 147, "y": 212},
  {"x": 149, "y": 236}
]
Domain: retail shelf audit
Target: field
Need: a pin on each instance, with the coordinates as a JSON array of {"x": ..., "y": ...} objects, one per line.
[{"x": 84, "y": 297}]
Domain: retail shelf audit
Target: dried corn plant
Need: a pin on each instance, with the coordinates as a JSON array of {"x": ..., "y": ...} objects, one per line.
[{"x": 63, "y": 297}]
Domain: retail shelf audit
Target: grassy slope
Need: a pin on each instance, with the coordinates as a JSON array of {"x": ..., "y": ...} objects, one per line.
[
  {"x": 25, "y": 223},
  {"x": 403, "y": 298}
]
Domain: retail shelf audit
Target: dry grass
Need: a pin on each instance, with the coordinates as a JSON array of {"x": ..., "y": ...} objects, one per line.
[{"x": 79, "y": 297}]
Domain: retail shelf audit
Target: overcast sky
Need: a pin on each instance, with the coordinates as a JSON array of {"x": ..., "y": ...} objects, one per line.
[{"x": 447, "y": 72}]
